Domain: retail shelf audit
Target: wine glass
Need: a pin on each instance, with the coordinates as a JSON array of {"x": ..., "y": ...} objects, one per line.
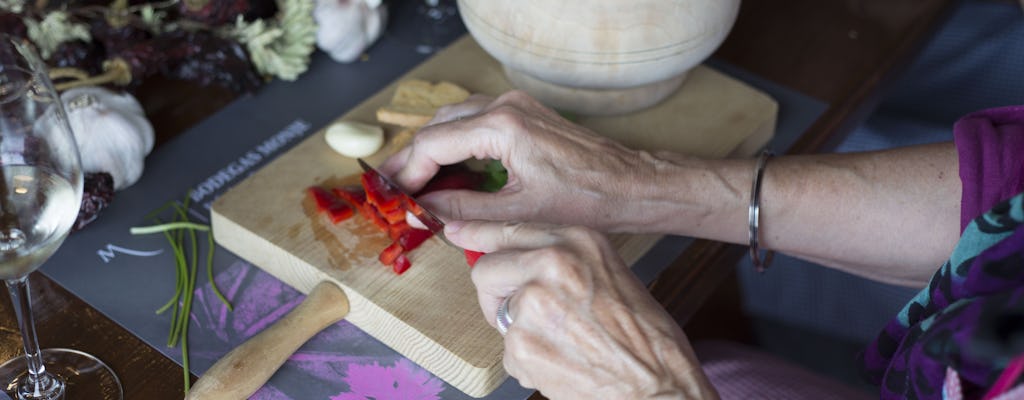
[
  {"x": 431, "y": 24},
  {"x": 436, "y": 28},
  {"x": 40, "y": 193}
]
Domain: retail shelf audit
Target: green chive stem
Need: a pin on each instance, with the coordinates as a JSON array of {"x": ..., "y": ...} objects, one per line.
[
  {"x": 209, "y": 274},
  {"x": 143, "y": 230}
]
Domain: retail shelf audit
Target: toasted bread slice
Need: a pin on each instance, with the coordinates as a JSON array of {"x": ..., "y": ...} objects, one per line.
[{"x": 415, "y": 102}]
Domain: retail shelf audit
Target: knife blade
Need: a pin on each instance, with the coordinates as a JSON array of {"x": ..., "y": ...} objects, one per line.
[{"x": 431, "y": 221}]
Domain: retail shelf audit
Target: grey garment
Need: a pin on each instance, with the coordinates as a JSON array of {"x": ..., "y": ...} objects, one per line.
[{"x": 975, "y": 61}]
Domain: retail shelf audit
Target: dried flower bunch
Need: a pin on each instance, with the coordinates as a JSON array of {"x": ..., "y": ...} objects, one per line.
[
  {"x": 237, "y": 44},
  {"x": 88, "y": 44}
]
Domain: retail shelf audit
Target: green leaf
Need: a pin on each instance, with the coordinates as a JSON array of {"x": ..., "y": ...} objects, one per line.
[{"x": 495, "y": 176}]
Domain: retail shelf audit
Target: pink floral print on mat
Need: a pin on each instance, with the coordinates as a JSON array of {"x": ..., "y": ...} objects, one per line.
[
  {"x": 341, "y": 359},
  {"x": 401, "y": 381}
]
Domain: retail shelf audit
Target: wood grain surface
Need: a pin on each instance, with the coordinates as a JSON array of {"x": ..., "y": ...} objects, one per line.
[{"x": 430, "y": 313}]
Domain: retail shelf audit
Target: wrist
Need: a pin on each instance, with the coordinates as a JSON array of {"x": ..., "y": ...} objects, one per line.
[{"x": 691, "y": 196}]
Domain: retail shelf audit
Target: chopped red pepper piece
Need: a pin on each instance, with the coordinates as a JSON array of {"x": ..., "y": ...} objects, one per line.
[
  {"x": 395, "y": 231},
  {"x": 472, "y": 256},
  {"x": 336, "y": 209},
  {"x": 373, "y": 216},
  {"x": 355, "y": 196},
  {"x": 395, "y": 216},
  {"x": 341, "y": 213},
  {"x": 379, "y": 194},
  {"x": 401, "y": 265},
  {"x": 390, "y": 253},
  {"x": 413, "y": 207},
  {"x": 413, "y": 238}
]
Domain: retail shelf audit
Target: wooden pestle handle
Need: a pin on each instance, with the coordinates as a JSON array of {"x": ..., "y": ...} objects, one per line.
[{"x": 247, "y": 367}]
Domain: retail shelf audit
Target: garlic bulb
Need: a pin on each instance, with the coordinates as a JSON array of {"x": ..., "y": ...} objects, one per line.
[
  {"x": 112, "y": 132},
  {"x": 347, "y": 27}
]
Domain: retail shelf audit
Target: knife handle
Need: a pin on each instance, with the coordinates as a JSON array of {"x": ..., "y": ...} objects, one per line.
[{"x": 247, "y": 367}]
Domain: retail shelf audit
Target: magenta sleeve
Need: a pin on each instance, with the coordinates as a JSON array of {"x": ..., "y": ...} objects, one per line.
[{"x": 990, "y": 146}]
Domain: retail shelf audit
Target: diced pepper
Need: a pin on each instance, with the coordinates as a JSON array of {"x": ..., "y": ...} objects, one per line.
[
  {"x": 413, "y": 238},
  {"x": 340, "y": 213},
  {"x": 370, "y": 213},
  {"x": 390, "y": 253},
  {"x": 336, "y": 209},
  {"x": 379, "y": 194},
  {"x": 413, "y": 207},
  {"x": 395, "y": 216},
  {"x": 402, "y": 264},
  {"x": 395, "y": 231},
  {"x": 355, "y": 196},
  {"x": 472, "y": 256}
]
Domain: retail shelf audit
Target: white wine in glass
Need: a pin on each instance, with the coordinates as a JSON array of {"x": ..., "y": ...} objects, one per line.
[{"x": 40, "y": 193}]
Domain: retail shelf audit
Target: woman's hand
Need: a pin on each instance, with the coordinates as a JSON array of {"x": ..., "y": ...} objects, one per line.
[
  {"x": 891, "y": 215},
  {"x": 584, "y": 326},
  {"x": 559, "y": 172}
]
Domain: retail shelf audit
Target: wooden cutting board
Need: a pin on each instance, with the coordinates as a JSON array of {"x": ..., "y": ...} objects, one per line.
[{"x": 430, "y": 314}]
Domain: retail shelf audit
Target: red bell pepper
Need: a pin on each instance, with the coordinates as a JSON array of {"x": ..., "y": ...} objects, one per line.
[
  {"x": 336, "y": 209},
  {"x": 396, "y": 230},
  {"x": 472, "y": 256},
  {"x": 355, "y": 196},
  {"x": 394, "y": 216},
  {"x": 390, "y": 253},
  {"x": 379, "y": 194},
  {"x": 413, "y": 238},
  {"x": 401, "y": 264}
]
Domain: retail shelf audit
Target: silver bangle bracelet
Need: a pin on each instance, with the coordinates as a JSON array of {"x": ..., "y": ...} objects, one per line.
[{"x": 753, "y": 214}]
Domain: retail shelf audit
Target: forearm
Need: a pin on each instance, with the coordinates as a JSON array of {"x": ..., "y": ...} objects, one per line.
[{"x": 891, "y": 216}]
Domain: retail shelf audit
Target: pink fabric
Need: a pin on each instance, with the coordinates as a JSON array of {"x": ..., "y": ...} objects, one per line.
[
  {"x": 990, "y": 144},
  {"x": 740, "y": 372},
  {"x": 1007, "y": 379},
  {"x": 951, "y": 389}
]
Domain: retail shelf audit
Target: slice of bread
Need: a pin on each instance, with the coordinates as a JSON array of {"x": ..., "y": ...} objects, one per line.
[{"x": 415, "y": 102}]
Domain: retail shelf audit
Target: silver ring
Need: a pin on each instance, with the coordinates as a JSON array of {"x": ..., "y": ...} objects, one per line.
[{"x": 502, "y": 317}]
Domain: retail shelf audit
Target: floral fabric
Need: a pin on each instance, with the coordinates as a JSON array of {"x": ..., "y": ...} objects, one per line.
[{"x": 970, "y": 318}]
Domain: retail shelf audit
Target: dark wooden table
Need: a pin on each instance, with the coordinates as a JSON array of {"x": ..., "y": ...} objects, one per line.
[{"x": 842, "y": 52}]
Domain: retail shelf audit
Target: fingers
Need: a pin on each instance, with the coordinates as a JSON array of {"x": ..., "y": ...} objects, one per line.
[
  {"x": 472, "y": 106},
  {"x": 497, "y": 278},
  {"x": 514, "y": 257},
  {"x": 451, "y": 137},
  {"x": 395, "y": 165},
  {"x": 491, "y": 237},
  {"x": 443, "y": 144},
  {"x": 467, "y": 205}
]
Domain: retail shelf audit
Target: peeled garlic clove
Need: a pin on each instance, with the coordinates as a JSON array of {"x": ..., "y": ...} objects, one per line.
[
  {"x": 347, "y": 27},
  {"x": 112, "y": 132},
  {"x": 354, "y": 139}
]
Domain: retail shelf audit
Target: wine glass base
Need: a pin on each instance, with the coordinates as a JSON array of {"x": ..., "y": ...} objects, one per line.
[
  {"x": 85, "y": 376},
  {"x": 428, "y": 26}
]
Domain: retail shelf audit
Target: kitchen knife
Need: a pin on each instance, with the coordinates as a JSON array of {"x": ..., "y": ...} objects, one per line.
[{"x": 431, "y": 221}]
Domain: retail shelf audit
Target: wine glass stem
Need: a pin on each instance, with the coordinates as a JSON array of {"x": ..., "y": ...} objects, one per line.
[{"x": 39, "y": 384}]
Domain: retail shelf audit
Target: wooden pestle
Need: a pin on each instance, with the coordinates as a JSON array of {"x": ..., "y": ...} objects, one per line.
[{"x": 247, "y": 367}]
